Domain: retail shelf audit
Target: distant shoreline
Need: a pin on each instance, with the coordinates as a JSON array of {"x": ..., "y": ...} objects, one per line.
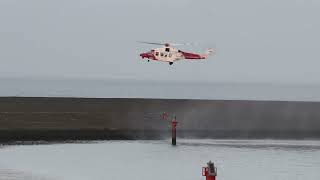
[{"x": 157, "y": 89}]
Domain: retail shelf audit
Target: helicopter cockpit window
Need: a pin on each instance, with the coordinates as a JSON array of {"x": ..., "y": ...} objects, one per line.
[{"x": 167, "y": 49}]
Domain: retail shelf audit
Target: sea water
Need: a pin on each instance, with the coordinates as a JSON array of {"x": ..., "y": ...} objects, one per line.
[{"x": 159, "y": 160}]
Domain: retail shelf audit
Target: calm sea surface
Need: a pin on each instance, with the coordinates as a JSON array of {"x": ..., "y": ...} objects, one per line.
[{"x": 158, "y": 160}]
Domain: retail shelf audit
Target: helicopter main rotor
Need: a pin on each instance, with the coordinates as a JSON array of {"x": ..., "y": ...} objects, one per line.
[{"x": 165, "y": 44}]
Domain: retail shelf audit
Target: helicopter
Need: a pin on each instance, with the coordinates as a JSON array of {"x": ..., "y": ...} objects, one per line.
[{"x": 168, "y": 53}]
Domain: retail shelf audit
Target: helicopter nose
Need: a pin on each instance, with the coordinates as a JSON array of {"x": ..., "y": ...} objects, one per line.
[{"x": 144, "y": 55}]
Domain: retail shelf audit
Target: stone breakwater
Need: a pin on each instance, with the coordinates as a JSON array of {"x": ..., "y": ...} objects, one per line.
[{"x": 60, "y": 119}]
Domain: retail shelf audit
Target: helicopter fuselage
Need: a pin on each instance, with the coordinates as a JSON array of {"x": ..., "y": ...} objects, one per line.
[{"x": 169, "y": 54}]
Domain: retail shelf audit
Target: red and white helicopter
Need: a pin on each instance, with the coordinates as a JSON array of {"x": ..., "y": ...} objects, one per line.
[{"x": 169, "y": 54}]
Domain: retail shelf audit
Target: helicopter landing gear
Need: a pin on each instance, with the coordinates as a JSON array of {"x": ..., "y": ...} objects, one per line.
[{"x": 170, "y": 63}]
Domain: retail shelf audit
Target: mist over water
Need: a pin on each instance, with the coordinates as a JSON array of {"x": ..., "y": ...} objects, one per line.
[{"x": 143, "y": 160}]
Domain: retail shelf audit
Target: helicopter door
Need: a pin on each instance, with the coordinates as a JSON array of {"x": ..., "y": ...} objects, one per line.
[
  {"x": 161, "y": 54},
  {"x": 168, "y": 54}
]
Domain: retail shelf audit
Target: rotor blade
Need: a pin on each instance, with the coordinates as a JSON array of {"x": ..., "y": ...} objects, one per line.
[
  {"x": 185, "y": 44},
  {"x": 176, "y": 44},
  {"x": 172, "y": 44},
  {"x": 151, "y": 43}
]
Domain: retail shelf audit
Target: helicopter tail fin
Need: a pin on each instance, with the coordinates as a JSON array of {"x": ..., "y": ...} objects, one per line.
[{"x": 207, "y": 53}]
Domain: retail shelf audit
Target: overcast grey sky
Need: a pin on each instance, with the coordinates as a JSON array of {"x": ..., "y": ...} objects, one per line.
[{"x": 270, "y": 41}]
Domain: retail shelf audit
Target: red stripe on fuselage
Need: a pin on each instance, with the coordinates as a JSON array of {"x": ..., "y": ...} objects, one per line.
[
  {"x": 148, "y": 55},
  {"x": 191, "y": 55}
]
